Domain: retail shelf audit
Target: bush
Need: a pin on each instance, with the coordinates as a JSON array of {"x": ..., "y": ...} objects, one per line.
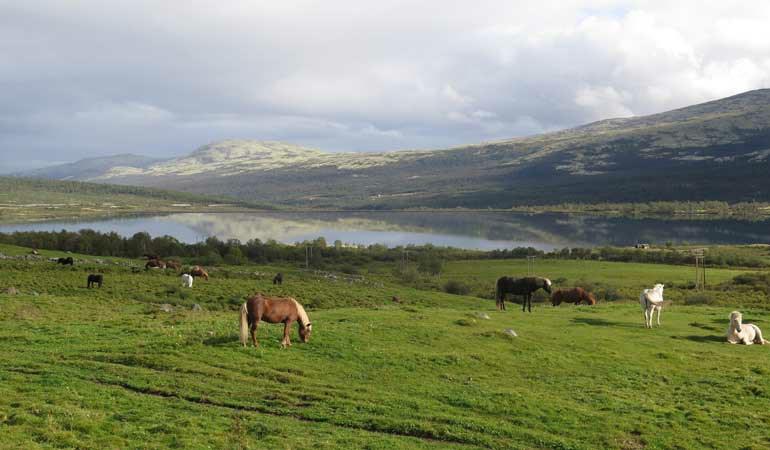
[
  {"x": 700, "y": 299},
  {"x": 349, "y": 269},
  {"x": 456, "y": 287}
]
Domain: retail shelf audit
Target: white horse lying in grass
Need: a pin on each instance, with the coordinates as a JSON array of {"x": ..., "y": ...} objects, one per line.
[
  {"x": 187, "y": 280},
  {"x": 650, "y": 300},
  {"x": 743, "y": 333}
]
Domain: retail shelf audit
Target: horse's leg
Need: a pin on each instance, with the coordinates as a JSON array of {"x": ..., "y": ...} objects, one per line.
[
  {"x": 523, "y": 303},
  {"x": 646, "y": 324},
  {"x": 285, "y": 341},
  {"x": 659, "y": 310},
  {"x": 253, "y": 331},
  {"x": 529, "y": 302}
]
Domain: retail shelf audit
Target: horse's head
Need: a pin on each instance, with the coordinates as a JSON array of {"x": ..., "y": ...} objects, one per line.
[
  {"x": 547, "y": 285},
  {"x": 658, "y": 287},
  {"x": 736, "y": 319},
  {"x": 305, "y": 331}
]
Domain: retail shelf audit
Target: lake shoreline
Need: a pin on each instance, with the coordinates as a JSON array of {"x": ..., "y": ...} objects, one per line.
[{"x": 10, "y": 216}]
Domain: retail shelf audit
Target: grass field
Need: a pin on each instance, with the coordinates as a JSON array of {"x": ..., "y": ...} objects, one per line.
[{"x": 109, "y": 369}]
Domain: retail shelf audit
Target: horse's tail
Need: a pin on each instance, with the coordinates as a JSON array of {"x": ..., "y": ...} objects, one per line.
[{"x": 244, "y": 322}]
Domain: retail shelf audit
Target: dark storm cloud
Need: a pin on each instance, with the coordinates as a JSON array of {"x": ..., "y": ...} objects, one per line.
[{"x": 88, "y": 78}]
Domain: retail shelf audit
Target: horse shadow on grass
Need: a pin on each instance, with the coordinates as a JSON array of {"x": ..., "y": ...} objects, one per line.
[
  {"x": 702, "y": 339},
  {"x": 597, "y": 322},
  {"x": 217, "y": 341}
]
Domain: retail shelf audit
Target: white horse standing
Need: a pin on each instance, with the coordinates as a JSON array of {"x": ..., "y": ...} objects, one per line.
[
  {"x": 187, "y": 280},
  {"x": 743, "y": 333},
  {"x": 650, "y": 300}
]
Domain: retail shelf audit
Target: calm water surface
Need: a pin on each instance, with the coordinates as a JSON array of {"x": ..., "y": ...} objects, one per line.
[{"x": 472, "y": 230}]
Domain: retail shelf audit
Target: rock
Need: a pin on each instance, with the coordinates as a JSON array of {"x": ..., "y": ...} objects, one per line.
[
  {"x": 196, "y": 307},
  {"x": 166, "y": 308},
  {"x": 466, "y": 322},
  {"x": 510, "y": 332},
  {"x": 483, "y": 315},
  {"x": 11, "y": 291}
]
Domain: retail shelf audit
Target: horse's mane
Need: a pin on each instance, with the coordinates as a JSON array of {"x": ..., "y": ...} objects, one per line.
[{"x": 303, "y": 318}]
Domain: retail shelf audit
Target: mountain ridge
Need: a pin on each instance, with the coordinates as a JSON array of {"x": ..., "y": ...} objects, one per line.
[{"x": 715, "y": 150}]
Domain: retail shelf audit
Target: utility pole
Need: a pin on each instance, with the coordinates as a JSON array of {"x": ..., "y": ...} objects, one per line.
[
  {"x": 700, "y": 268},
  {"x": 531, "y": 265}
]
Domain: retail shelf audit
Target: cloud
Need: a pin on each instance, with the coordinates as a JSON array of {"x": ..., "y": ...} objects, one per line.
[{"x": 84, "y": 78}]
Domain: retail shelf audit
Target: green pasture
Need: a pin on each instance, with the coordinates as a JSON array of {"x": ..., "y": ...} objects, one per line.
[{"x": 108, "y": 368}]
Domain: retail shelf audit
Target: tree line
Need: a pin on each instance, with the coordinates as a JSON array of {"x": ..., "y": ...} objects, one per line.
[{"x": 319, "y": 254}]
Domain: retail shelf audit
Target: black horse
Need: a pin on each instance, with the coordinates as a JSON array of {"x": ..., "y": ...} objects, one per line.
[
  {"x": 520, "y": 286},
  {"x": 278, "y": 279},
  {"x": 68, "y": 261},
  {"x": 95, "y": 280}
]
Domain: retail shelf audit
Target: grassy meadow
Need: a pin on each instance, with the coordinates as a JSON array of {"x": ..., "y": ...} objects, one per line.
[{"x": 108, "y": 368}]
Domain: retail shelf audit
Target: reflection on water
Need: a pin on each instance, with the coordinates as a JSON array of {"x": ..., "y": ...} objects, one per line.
[{"x": 458, "y": 229}]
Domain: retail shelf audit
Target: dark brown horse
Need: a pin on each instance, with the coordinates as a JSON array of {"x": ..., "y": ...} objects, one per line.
[
  {"x": 278, "y": 278},
  {"x": 273, "y": 310},
  {"x": 197, "y": 271},
  {"x": 520, "y": 286},
  {"x": 155, "y": 264},
  {"x": 68, "y": 261},
  {"x": 574, "y": 295},
  {"x": 95, "y": 279}
]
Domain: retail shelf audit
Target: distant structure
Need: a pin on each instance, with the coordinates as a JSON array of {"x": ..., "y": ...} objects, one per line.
[
  {"x": 530, "y": 265},
  {"x": 642, "y": 246},
  {"x": 700, "y": 268}
]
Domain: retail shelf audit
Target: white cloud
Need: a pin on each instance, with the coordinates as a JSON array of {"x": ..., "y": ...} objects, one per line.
[{"x": 79, "y": 78}]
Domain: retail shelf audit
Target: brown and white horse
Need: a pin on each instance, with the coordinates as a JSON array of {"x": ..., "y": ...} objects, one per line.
[
  {"x": 284, "y": 310},
  {"x": 198, "y": 272},
  {"x": 155, "y": 264}
]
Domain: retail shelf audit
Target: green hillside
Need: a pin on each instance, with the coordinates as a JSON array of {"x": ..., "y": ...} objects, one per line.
[{"x": 110, "y": 368}]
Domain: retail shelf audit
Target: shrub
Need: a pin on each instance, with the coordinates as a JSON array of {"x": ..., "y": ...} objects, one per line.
[
  {"x": 700, "y": 299},
  {"x": 456, "y": 287}
]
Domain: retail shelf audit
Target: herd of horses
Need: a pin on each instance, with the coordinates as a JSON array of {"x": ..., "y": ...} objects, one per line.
[
  {"x": 650, "y": 300},
  {"x": 288, "y": 310}
]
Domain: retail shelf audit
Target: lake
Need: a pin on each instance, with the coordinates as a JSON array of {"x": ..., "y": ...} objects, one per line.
[{"x": 471, "y": 230}]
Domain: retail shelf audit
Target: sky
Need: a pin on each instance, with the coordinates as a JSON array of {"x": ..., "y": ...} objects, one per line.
[{"x": 160, "y": 78}]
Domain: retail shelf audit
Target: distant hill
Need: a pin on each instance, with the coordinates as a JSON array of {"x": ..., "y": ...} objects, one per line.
[
  {"x": 25, "y": 199},
  {"x": 718, "y": 150},
  {"x": 90, "y": 167}
]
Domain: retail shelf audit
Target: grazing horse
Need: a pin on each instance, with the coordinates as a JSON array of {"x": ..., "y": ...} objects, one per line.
[
  {"x": 95, "y": 279},
  {"x": 150, "y": 256},
  {"x": 651, "y": 300},
  {"x": 155, "y": 264},
  {"x": 68, "y": 261},
  {"x": 520, "y": 286},
  {"x": 278, "y": 278},
  {"x": 743, "y": 333},
  {"x": 187, "y": 280},
  {"x": 197, "y": 271},
  {"x": 173, "y": 265},
  {"x": 574, "y": 295},
  {"x": 273, "y": 310}
]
